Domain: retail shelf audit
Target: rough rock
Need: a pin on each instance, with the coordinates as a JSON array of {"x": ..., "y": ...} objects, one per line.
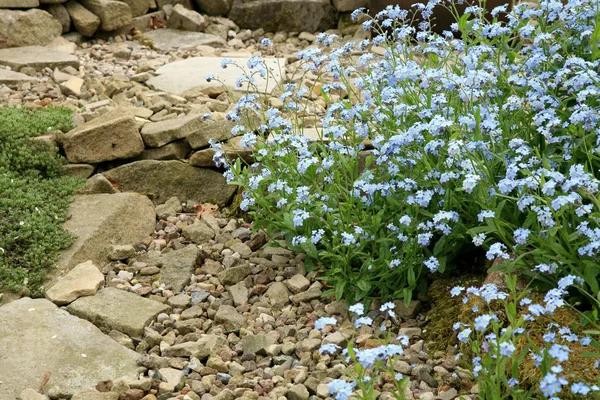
[
  {"x": 113, "y": 14},
  {"x": 116, "y": 309},
  {"x": 85, "y": 21},
  {"x": 214, "y": 7},
  {"x": 284, "y": 15},
  {"x": 83, "y": 280},
  {"x": 79, "y": 170},
  {"x": 198, "y": 232},
  {"x": 19, "y": 3},
  {"x": 210, "y": 129},
  {"x": 111, "y": 136},
  {"x": 171, "y": 39},
  {"x": 60, "y": 13},
  {"x": 278, "y": 295},
  {"x": 190, "y": 74},
  {"x": 137, "y": 7},
  {"x": 30, "y": 394},
  {"x": 186, "y": 20},
  {"x": 37, "y": 337},
  {"x": 177, "y": 150},
  {"x": 349, "y": 5},
  {"x": 99, "y": 220},
  {"x": 233, "y": 275},
  {"x": 165, "y": 179},
  {"x": 97, "y": 184},
  {"x": 177, "y": 266},
  {"x": 230, "y": 318},
  {"x": 158, "y": 134},
  {"x": 36, "y": 57},
  {"x": 28, "y": 28}
]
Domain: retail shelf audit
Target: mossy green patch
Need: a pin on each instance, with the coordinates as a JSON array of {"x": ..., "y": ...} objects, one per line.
[{"x": 34, "y": 196}]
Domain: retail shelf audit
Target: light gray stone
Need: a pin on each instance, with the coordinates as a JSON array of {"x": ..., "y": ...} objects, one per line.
[
  {"x": 278, "y": 295},
  {"x": 230, "y": 318},
  {"x": 297, "y": 283},
  {"x": 116, "y": 309},
  {"x": 199, "y": 232},
  {"x": 172, "y": 39},
  {"x": 164, "y": 179},
  {"x": 210, "y": 130},
  {"x": 30, "y": 394},
  {"x": 233, "y": 275},
  {"x": 12, "y": 78},
  {"x": 37, "y": 337},
  {"x": 239, "y": 293},
  {"x": 83, "y": 280},
  {"x": 183, "y": 76},
  {"x": 177, "y": 150},
  {"x": 36, "y": 57},
  {"x": 298, "y": 392},
  {"x": 177, "y": 266},
  {"x": 119, "y": 252}
]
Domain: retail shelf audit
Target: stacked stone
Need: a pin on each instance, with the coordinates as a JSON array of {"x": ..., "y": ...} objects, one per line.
[{"x": 38, "y": 22}]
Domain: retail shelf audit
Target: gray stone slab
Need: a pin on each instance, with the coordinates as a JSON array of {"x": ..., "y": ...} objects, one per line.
[
  {"x": 172, "y": 39},
  {"x": 36, "y": 57},
  {"x": 14, "y": 78},
  {"x": 37, "y": 337},
  {"x": 190, "y": 74},
  {"x": 116, "y": 309},
  {"x": 177, "y": 266}
]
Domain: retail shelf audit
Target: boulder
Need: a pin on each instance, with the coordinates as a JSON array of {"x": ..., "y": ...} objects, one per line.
[
  {"x": 157, "y": 134},
  {"x": 28, "y": 28},
  {"x": 284, "y": 15},
  {"x": 186, "y": 20},
  {"x": 116, "y": 309},
  {"x": 164, "y": 179},
  {"x": 190, "y": 74},
  {"x": 36, "y": 57},
  {"x": 60, "y": 13},
  {"x": 111, "y": 136},
  {"x": 37, "y": 337},
  {"x": 85, "y": 21},
  {"x": 100, "y": 220},
  {"x": 19, "y": 3},
  {"x": 83, "y": 280},
  {"x": 113, "y": 14},
  {"x": 137, "y": 7},
  {"x": 214, "y": 7}
]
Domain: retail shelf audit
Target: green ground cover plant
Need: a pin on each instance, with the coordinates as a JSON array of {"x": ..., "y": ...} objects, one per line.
[{"x": 34, "y": 196}]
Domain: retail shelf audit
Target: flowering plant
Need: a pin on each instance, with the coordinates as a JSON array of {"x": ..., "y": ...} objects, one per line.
[
  {"x": 432, "y": 145},
  {"x": 500, "y": 339}
]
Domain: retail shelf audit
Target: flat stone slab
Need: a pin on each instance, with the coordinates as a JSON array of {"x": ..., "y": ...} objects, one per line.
[
  {"x": 177, "y": 266},
  {"x": 101, "y": 220},
  {"x": 14, "y": 78},
  {"x": 83, "y": 280},
  {"x": 172, "y": 39},
  {"x": 37, "y": 337},
  {"x": 19, "y": 3},
  {"x": 37, "y": 57},
  {"x": 116, "y": 309},
  {"x": 190, "y": 74}
]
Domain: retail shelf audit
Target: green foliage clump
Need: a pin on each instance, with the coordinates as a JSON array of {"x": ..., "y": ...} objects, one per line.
[{"x": 34, "y": 195}]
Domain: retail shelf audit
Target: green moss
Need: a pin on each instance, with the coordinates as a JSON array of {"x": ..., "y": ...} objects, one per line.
[{"x": 34, "y": 196}]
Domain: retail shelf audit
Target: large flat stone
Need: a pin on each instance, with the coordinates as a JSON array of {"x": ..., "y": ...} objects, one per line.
[
  {"x": 190, "y": 74},
  {"x": 113, "y": 14},
  {"x": 14, "y": 78},
  {"x": 100, "y": 220},
  {"x": 111, "y": 136},
  {"x": 116, "y": 309},
  {"x": 83, "y": 280},
  {"x": 37, "y": 57},
  {"x": 172, "y": 39},
  {"x": 37, "y": 337},
  {"x": 162, "y": 180}
]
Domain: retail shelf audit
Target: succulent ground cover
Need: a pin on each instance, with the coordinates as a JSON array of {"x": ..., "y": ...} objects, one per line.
[
  {"x": 439, "y": 151},
  {"x": 34, "y": 196}
]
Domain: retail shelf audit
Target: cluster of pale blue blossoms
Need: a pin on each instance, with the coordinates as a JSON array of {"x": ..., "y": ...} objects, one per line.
[
  {"x": 497, "y": 344},
  {"x": 449, "y": 142},
  {"x": 368, "y": 359}
]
